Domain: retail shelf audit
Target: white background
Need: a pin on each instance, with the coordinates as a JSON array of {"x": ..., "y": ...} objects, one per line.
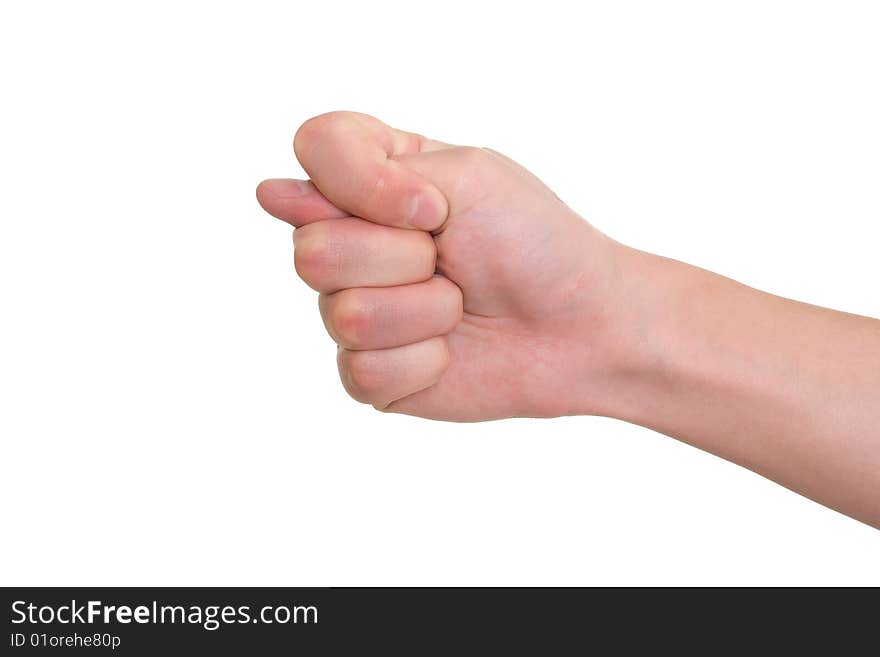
[{"x": 170, "y": 406}]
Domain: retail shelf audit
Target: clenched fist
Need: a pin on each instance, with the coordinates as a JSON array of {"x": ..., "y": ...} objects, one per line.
[{"x": 457, "y": 285}]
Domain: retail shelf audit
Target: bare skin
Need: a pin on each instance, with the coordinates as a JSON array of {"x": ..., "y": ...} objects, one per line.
[{"x": 459, "y": 287}]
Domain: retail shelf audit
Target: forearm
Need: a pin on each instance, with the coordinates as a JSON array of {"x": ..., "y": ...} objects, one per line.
[{"x": 789, "y": 390}]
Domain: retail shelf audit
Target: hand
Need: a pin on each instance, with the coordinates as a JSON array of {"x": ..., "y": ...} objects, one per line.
[
  {"x": 457, "y": 285},
  {"x": 460, "y": 288}
]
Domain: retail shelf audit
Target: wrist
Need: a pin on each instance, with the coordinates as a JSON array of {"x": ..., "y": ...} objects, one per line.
[{"x": 648, "y": 305}]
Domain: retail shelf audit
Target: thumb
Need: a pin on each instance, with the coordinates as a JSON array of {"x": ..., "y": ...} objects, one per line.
[{"x": 350, "y": 159}]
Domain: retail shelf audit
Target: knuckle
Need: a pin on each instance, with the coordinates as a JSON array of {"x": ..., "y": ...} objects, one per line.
[
  {"x": 317, "y": 257},
  {"x": 316, "y": 127},
  {"x": 335, "y": 119},
  {"x": 308, "y": 258},
  {"x": 360, "y": 376},
  {"x": 351, "y": 321}
]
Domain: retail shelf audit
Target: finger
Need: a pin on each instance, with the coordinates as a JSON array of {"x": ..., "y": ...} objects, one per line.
[
  {"x": 382, "y": 376},
  {"x": 351, "y": 252},
  {"x": 298, "y": 202},
  {"x": 348, "y": 156},
  {"x": 379, "y": 318}
]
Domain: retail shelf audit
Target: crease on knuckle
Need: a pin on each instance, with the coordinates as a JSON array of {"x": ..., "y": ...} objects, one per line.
[
  {"x": 362, "y": 378},
  {"x": 352, "y": 321},
  {"x": 318, "y": 257},
  {"x": 375, "y": 185}
]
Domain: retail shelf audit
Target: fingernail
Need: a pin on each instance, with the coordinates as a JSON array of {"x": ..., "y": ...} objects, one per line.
[
  {"x": 427, "y": 209},
  {"x": 286, "y": 187}
]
